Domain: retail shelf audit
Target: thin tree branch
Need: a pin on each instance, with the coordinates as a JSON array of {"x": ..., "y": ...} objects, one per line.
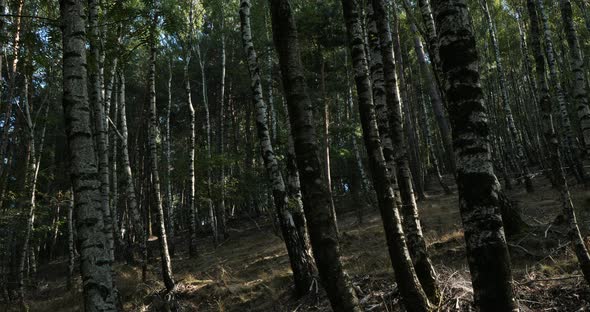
[{"x": 115, "y": 128}]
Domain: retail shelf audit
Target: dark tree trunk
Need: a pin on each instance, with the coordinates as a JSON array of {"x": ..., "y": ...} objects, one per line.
[
  {"x": 409, "y": 208},
  {"x": 414, "y": 297},
  {"x": 316, "y": 203},
  {"x": 487, "y": 254},
  {"x": 287, "y": 211}
]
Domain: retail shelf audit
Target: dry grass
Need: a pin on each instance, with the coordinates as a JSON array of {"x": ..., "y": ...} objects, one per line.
[{"x": 250, "y": 271}]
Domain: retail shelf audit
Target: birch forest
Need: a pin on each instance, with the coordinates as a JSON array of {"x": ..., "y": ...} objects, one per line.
[{"x": 294, "y": 155}]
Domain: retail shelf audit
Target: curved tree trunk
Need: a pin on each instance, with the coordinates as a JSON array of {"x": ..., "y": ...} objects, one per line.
[{"x": 487, "y": 254}]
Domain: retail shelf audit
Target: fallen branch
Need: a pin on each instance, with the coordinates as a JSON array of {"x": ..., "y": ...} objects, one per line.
[
  {"x": 551, "y": 224},
  {"x": 523, "y": 249},
  {"x": 561, "y": 278}
]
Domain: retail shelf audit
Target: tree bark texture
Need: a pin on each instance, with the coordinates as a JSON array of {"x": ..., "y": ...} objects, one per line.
[
  {"x": 316, "y": 203},
  {"x": 95, "y": 257},
  {"x": 487, "y": 254},
  {"x": 297, "y": 247},
  {"x": 413, "y": 295},
  {"x": 409, "y": 208}
]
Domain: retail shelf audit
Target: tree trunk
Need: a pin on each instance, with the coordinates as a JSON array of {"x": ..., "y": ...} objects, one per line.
[
  {"x": 326, "y": 135},
  {"x": 192, "y": 247},
  {"x": 437, "y": 106},
  {"x": 365, "y": 186},
  {"x": 294, "y": 188},
  {"x": 169, "y": 204},
  {"x": 153, "y": 133},
  {"x": 28, "y": 201},
  {"x": 220, "y": 213},
  {"x": 570, "y": 141},
  {"x": 287, "y": 211},
  {"x": 71, "y": 253},
  {"x": 118, "y": 237},
  {"x": 100, "y": 132},
  {"x": 513, "y": 132},
  {"x": 435, "y": 99},
  {"x": 12, "y": 86},
  {"x": 579, "y": 93},
  {"x": 322, "y": 230},
  {"x": 487, "y": 254},
  {"x": 412, "y": 145},
  {"x": 425, "y": 121},
  {"x": 409, "y": 209},
  {"x": 271, "y": 102},
  {"x": 561, "y": 184},
  {"x": 413, "y": 295},
  {"x": 212, "y": 216},
  {"x": 137, "y": 222},
  {"x": 95, "y": 256}
]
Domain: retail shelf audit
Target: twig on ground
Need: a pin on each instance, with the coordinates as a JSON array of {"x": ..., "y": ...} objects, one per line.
[
  {"x": 523, "y": 249},
  {"x": 551, "y": 279}
]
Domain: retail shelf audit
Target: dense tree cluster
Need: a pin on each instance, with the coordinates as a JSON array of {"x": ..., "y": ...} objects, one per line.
[{"x": 124, "y": 122}]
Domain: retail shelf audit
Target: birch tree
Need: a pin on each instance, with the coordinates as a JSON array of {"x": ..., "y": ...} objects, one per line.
[
  {"x": 554, "y": 77},
  {"x": 322, "y": 229},
  {"x": 413, "y": 295},
  {"x": 409, "y": 209},
  {"x": 580, "y": 93},
  {"x": 95, "y": 257},
  {"x": 137, "y": 226},
  {"x": 478, "y": 187},
  {"x": 97, "y": 103},
  {"x": 153, "y": 150},
  {"x": 546, "y": 103},
  {"x": 193, "y": 214},
  {"x": 515, "y": 138},
  {"x": 297, "y": 247}
]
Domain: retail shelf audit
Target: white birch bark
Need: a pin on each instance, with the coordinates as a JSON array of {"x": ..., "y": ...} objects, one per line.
[
  {"x": 193, "y": 252},
  {"x": 287, "y": 212},
  {"x": 515, "y": 139},
  {"x": 570, "y": 143},
  {"x": 95, "y": 256},
  {"x": 100, "y": 128},
  {"x": 153, "y": 151},
  {"x": 137, "y": 226},
  {"x": 71, "y": 254},
  {"x": 580, "y": 93},
  {"x": 169, "y": 203}
]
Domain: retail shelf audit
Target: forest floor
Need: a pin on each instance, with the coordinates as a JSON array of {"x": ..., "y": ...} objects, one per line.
[{"x": 250, "y": 270}]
